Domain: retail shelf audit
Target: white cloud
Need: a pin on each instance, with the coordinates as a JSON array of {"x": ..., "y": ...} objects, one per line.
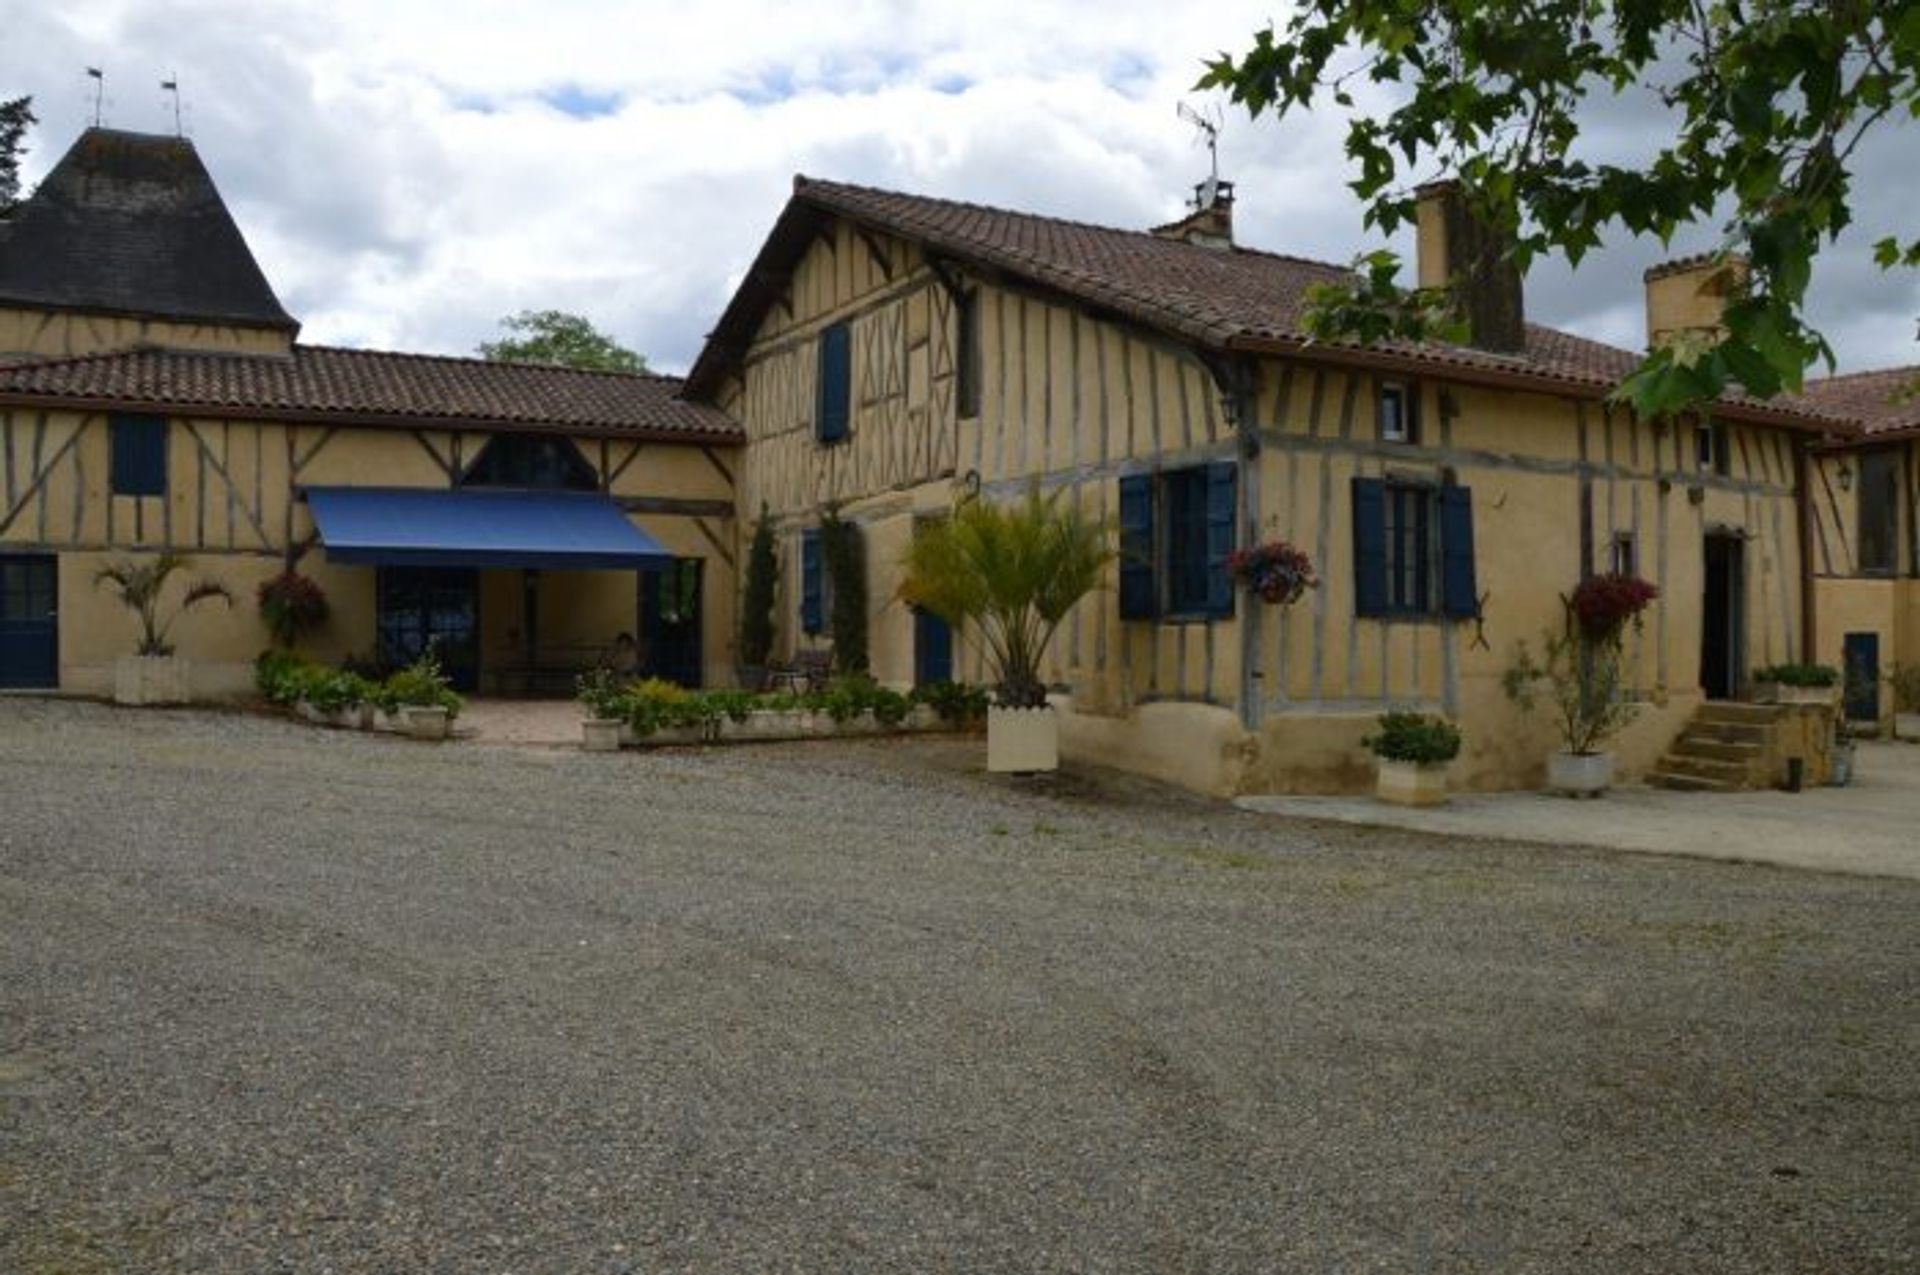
[{"x": 406, "y": 178}]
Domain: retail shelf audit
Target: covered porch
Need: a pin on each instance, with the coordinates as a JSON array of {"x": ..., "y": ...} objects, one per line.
[{"x": 517, "y": 592}]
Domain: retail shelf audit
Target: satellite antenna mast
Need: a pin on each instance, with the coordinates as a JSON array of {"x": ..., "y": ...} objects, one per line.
[
  {"x": 99, "y": 78},
  {"x": 1209, "y": 126},
  {"x": 172, "y": 85}
]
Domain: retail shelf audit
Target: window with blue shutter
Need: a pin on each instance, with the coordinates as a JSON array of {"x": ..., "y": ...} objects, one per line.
[
  {"x": 1222, "y": 515},
  {"x": 1369, "y": 546},
  {"x": 813, "y": 600},
  {"x": 1139, "y": 591},
  {"x": 139, "y": 455},
  {"x": 1459, "y": 594},
  {"x": 835, "y": 408}
]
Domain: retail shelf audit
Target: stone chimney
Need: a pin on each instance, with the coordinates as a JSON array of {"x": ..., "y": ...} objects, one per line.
[
  {"x": 1210, "y": 224},
  {"x": 1689, "y": 295},
  {"x": 1456, "y": 250}
]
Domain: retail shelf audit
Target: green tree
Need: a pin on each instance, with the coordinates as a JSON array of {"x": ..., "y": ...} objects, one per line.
[
  {"x": 1768, "y": 99},
  {"x": 554, "y": 336},
  {"x": 756, "y": 607},
  {"x": 846, "y": 562},
  {"x": 16, "y": 117},
  {"x": 1011, "y": 572}
]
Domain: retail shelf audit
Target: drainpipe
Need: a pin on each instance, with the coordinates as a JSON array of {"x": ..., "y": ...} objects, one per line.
[{"x": 1803, "y": 504}]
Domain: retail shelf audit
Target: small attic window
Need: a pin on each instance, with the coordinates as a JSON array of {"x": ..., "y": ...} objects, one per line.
[
  {"x": 537, "y": 461},
  {"x": 1397, "y": 409}
]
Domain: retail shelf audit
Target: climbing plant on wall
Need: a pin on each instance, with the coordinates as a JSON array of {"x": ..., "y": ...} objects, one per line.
[{"x": 846, "y": 560}]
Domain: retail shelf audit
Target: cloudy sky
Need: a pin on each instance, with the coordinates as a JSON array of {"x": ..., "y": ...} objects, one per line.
[{"x": 407, "y": 177}]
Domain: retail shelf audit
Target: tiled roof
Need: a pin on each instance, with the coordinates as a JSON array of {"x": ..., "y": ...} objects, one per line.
[
  {"x": 131, "y": 223},
  {"x": 1882, "y": 402},
  {"x": 372, "y": 387},
  {"x": 1219, "y": 298}
]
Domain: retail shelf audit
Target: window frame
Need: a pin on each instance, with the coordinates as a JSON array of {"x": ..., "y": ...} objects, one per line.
[
  {"x": 138, "y": 446},
  {"x": 1889, "y": 564},
  {"x": 966, "y": 354},
  {"x": 1439, "y": 581},
  {"x": 1403, "y": 495},
  {"x": 1210, "y": 516},
  {"x": 1406, "y": 392},
  {"x": 505, "y": 450},
  {"x": 1623, "y": 554}
]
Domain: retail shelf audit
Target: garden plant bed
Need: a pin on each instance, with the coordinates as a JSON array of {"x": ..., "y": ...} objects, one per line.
[
  {"x": 654, "y": 714},
  {"x": 769, "y": 726}
]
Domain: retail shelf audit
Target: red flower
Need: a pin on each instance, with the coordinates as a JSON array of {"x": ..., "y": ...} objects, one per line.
[
  {"x": 1603, "y": 604},
  {"x": 1276, "y": 571}
]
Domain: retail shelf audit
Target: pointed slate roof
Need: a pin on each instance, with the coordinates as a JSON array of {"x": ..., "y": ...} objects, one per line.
[{"x": 131, "y": 223}]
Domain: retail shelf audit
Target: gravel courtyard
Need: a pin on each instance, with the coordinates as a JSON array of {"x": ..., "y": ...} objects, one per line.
[{"x": 281, "y": 999}]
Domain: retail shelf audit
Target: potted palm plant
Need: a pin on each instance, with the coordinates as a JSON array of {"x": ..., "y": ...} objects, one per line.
[
  {"x": 154, "y": 674},
  {"x": 1904, "y": 681},
  {"x": 1413, "y": 751},
  {"x": 1009, "y": 574},
  {"x": 1583, "y": 674}
]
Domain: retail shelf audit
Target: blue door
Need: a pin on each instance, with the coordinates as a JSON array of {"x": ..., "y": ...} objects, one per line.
[
  {"x": 1860, "y": 654},
  {"x": 932, "y": 648},
  {"x": 29, "y": 624}
]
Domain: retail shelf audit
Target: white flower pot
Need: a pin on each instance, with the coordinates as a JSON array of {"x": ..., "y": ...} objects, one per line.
[
  {"x": 1580, "y": 774},
  {"x": 151, "y": 679},
  {"x": 424, "y": 722},
  {"x": 1022, "y": 740},
  {"x": 1411, "y": 783},
  {"x": 1906, "y": 726},
  {"x": 352, "y": 717},
  {"x": 601, "y": 734}
]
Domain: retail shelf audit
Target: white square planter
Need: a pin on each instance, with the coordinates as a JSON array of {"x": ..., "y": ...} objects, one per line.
[
  {"x": 1906, "y": 726},
  {"x": 151, "y": 679},
  {"x": 1580, "y": 774},
  {"x": 1411, "y": 783},
  {"x": 424, "y": 722},
  {"x": 601, "y": 735},
  {"x": 1022, "y": 740}
]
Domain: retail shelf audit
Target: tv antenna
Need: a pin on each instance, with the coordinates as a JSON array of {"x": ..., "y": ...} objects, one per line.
[
  {"x": 172, "y": 85},
  {"x": 99, "y": 78},
  {"x": 1208, "y": 123}
]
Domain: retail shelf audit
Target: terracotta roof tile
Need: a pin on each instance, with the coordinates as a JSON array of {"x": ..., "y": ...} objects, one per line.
[
  {"x": 1883, "y": 402},
  {"x": 372, "y": 387},
  {"x": 1217, "y": 297}
]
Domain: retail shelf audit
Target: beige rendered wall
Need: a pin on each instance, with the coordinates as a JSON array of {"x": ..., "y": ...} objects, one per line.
[
  {"x": 65, "y": 333},
  {"x": 232, "y": 506},
  {"x": 1075, "y": 402}
]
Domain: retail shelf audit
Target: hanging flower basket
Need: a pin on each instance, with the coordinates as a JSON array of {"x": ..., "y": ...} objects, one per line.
[{"x": 1276, "y": 571}]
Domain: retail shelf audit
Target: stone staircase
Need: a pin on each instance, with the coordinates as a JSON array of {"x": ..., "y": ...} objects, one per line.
[{"x": 1727, "y": 747}]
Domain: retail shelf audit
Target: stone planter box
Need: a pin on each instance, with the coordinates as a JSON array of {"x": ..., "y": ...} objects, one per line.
[
  {"x": 1411, "y": 783},
  {"x": 602, "y": 735},
  {"x": 770, "y": 725},
  {"x": 1022, "y": 741},
  {"x": 152, "y": 679},
  {"x": 1580, "y": 774},
  {"x": 1780, "y": 693},
  {"x": 1906, "y": 726},
  {"x": 426, "y": 723},
  {"x": 354, "y": 717}
]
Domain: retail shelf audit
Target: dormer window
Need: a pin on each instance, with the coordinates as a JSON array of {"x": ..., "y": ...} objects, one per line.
[{"x": 1398, "y": 413}]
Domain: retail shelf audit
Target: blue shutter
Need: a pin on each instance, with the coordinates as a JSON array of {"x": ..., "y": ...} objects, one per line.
[
  {"x": 1222, "y": 514},
  {"x": 1458, "y": 593},
  {"x": 1139, "y": 594},
  {"x": 836, "y": 384},
  {"x": 812, "y": 619},
  {"x": 139, "y": 455},
  {"x": 1369, "y": 546}
]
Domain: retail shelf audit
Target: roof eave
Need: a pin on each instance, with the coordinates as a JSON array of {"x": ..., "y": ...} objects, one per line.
[{"x": 287, "y": 324}]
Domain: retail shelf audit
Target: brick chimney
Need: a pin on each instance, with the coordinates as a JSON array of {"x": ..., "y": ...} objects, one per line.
[
  {"x": 1210, "y": 224},
  {"x": 1456, "y": 250},
  {"x": 1689, "y": 295}
]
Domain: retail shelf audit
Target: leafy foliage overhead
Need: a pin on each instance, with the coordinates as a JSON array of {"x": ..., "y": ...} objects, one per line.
[
  {"x": 16, "y": 117},
  {"x": 1768, "y": 99},
  {"x": 556, "y": 337}
]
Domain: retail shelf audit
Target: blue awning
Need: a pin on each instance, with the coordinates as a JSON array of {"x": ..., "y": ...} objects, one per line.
[{"x": 428, "y": 527}]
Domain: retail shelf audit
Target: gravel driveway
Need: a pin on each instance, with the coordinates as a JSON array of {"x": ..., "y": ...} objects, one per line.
[{"x": 281, "y": 999}]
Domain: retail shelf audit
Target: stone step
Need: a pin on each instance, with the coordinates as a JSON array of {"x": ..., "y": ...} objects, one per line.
[
  {"x": 1729, "y": 732},
  {"x": 1735, "y": 774},
  {"x": 1733, "y": 713},
  {"x": 1688, "y": 783},
  {"x": 1694, "y": 743}
]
